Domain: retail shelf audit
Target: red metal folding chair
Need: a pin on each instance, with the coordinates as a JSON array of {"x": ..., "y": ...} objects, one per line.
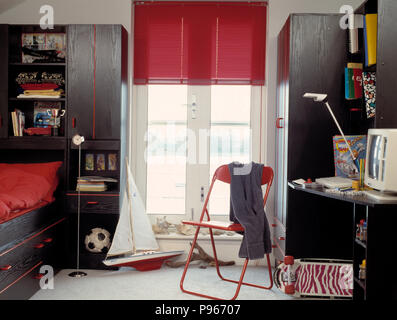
[{"x": 223, "y": 174}]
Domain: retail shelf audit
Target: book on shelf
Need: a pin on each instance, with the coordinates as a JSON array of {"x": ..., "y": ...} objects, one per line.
[
  {"x": 93, "y": 183},
  {"x": 97, "y": 179},
  {"x": 353, "y": 83},
  {"x": 18, "y": 122},
  {"x": 370, "y": 38},
  {"x": 345, "y": 166},
  {"x": 42, "y": 114},
  {"x": 98, "y": 187}
]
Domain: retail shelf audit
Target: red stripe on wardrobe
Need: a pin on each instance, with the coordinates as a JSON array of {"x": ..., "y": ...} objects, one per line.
[{"x": 94, "y": 100}]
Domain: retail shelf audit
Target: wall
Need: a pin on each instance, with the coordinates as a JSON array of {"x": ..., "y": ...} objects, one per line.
[{"x": 71, "y": 11}]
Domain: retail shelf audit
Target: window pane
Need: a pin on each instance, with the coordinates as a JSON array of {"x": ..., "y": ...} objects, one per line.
[
  {"x": 166, "y": 149},
  {"x": 230, "y": 136}
]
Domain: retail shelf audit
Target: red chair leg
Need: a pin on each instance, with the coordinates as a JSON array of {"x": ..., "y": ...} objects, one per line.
[
  {"x": 246, "y": 262},
  {"x": 189, "y": 260},
  {"x": 239, "y": 283}
]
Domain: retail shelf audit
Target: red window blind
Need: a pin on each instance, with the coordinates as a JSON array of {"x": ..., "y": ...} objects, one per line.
[{"x": 199, "y": 42}]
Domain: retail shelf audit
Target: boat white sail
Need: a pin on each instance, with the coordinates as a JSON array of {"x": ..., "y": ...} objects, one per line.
[{"x": 134, "y": 237}]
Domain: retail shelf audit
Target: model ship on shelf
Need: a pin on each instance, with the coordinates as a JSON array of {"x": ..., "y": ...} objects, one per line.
[
  {"x": 93, "y": 183},
  {"x": 134, "y": 244}
]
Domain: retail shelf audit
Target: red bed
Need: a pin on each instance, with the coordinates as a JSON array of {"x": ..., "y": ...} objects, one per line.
[{"x": 25, "y": 187}]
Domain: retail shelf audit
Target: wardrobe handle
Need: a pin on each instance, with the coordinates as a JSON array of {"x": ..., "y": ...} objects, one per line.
[
  {"x": 92, "y": 202},
  {"x": 73, "y": 122},
  {"x": 278, "y": 124},
  {"x": 38, "y": 246},
  {"x": 6, "y": 267}
]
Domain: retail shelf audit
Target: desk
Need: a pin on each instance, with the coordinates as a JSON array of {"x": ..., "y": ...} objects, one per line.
[{"x": 380, "y": 249}]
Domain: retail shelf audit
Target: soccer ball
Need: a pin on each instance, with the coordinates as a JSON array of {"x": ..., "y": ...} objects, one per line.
[{"x": 97, "y": 240}]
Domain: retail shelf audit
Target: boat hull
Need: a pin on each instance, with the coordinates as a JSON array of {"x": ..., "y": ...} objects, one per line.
[{"x": 143, "y": 262}]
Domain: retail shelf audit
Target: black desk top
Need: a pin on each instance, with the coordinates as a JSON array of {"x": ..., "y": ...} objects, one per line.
[{"x": 361, "y": 199}]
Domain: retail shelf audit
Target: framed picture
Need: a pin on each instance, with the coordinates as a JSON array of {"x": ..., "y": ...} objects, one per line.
[
  {"x": 100, "y": 162},
  {"x": 89, "y": 162},
  {"x": 112, "y": 161}
]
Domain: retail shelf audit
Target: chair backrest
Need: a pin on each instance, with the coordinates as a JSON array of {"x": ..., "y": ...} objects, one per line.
[{"x": 223, "y": 174}]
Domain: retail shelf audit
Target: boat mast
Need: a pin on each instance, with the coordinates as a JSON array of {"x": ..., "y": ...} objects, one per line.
[{"x": 130, "y": 205}]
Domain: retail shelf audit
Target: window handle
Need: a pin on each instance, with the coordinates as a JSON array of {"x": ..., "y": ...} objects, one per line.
[
  {"x": 194, "y": 106},
  {"x": 202, "y": 194}
]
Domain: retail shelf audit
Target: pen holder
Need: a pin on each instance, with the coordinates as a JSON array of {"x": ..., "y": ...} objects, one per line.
[{"x": 356, "y": 184}]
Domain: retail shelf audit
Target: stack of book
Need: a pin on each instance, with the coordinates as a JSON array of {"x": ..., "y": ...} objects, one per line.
[
  {"x": 18, "y": 122},
  {"x": 93, "y": 183}
]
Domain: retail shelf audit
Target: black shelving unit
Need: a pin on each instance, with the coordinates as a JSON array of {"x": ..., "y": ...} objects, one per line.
[
  {"x": 378, "y": 250},
  {"x": 316, "y": 64},
  {"x": 95, "y": 101}
]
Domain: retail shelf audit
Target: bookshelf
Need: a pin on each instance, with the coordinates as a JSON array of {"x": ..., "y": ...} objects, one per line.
[{"x": 28, "y": 72}]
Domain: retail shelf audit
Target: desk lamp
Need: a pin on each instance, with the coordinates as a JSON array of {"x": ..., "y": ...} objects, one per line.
[
  {"x": 78, "y": 140},
  {"x": 319, "y": 97}
]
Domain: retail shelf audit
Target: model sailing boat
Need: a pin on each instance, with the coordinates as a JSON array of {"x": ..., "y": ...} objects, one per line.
[{"x": 134, "y": 244}]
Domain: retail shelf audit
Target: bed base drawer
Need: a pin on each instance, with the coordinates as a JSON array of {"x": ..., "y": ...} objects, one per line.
[
  {"x": 16, "y": 260},
  {"x": 24, "y": 286},
  {"x": 19, "y": 227}
]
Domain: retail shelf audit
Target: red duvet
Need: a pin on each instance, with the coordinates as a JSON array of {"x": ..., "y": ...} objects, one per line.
[{"x": 20, "y": 189}]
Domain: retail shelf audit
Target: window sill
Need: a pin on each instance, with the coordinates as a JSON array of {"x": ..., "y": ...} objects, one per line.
[{"x": 177, "y": 236}]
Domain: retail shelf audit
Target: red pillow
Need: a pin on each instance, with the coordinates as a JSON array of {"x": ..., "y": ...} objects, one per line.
[
  {"x": 22, "y": 190},
  {"x": 4, "y": 211},
  {"x": 48, "y": 170}
]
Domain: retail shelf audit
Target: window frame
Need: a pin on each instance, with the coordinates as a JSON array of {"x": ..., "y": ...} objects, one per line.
[{"x": 196, "y": 174}]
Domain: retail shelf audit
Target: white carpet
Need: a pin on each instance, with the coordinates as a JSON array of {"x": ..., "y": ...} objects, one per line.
[{"x": 162, "y": 284}]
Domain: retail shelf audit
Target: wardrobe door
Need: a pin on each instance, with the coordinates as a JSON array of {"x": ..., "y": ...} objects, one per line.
[
  {"x": 81, "y": 84},
  {"x": 107, "y": 81},
  {"x": 283, "y": 56},
  {"x": 4, "y": 81}
]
